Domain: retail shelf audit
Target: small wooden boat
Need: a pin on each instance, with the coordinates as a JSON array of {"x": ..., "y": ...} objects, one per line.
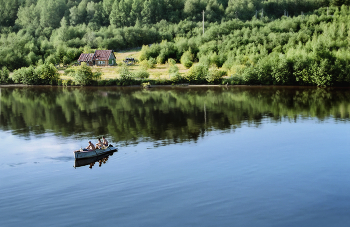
[{"x": 82, "y": 153}]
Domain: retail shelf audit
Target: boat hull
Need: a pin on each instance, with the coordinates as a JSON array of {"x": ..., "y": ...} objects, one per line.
[
  {"x": 90, "y": 154},
  {"x": 86, "y": 161}
]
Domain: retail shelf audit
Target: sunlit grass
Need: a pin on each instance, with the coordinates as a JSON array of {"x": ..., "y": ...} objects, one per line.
[{"x": 112, "y": 72}]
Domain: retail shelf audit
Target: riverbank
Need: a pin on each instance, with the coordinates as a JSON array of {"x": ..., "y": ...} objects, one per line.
[{"x": 160, "y": 71}]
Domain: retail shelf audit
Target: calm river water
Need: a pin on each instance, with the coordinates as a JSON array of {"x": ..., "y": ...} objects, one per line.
[{"x": 214, "y": 156}]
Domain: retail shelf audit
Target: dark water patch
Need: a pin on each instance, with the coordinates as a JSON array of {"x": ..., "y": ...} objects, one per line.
[{"x": 171, "y": 115}]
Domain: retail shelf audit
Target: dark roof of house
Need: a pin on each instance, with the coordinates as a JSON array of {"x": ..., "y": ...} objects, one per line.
[
  {"x": 102, "y": 55},
  {"x": 86, "y": 57}
]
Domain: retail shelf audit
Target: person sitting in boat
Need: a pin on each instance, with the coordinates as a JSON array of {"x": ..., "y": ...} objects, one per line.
[
  {"x": 91, "y": 147},
  {"x": 99, "y": 144},
  {"x": 105, "y": 142}
]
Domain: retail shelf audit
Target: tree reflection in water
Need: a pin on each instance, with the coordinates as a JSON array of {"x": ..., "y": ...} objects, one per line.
[{"x": 161, "y": 115}]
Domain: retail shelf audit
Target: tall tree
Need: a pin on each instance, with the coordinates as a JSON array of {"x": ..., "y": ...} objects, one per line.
[
  {"x": 90, "y": 10},
  {"x": 135, "y": 13},
  {"x": 28, "y": 17},
  {"x": 193, "y": 9},
  {"x": 339, "y": 2},
  {"x": 149, "y": 13},
  {"x": 214, "y": 11},
  {"x": 146, "y": 12},
  {"x": 100, "y": 15},
  {"x": 242, "y": 9},
  {"x": 124, "y": 13},
  {"x": 114, "y": 15},
  {"x": 107, "y": 6},
  {"x": 51, "y": 12},
  {"x": 173, "y": 10},
  {"x": 78, "y": 14},
  {"x": 8, "y": 12}
]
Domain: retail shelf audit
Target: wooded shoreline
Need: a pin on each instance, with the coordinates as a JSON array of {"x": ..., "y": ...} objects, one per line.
[{"x": 245, "y": 42}]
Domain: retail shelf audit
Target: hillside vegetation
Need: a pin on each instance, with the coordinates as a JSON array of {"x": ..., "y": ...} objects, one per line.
[{"x": 288, "y": 42}]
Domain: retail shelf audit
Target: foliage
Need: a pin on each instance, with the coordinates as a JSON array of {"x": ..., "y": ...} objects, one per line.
[
  {"x": 142, "y": 74},
  {"x": 144, "y": 65},
  {"x": 146, "y": 84},
  {"x": 187, "y": 59},
  {"x": 4, "y": 76},
  {"x": 215, "y": 75},
  {"x": 151, "y": 63},
  {"x": 125, "y": 74},
  {"x": 26, "y": 76},
  {"x": 173, "y": 71},
  {"x": 263, "y": 42},
  {"x": 83, "y": 75},
  {"x": 197, "y": 73},
  {"x": 47, "y": 73}
]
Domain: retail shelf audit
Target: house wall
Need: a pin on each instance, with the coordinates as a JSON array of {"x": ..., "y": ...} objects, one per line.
[
  {"x": 101, "y": 63},
  {"x": 111, "y": 60},
  {"x": 89, "y": 63}
]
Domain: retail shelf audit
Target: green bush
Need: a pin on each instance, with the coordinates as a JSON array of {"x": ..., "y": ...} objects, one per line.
[
  {"x": 148, "y": 64},
  {"x": 282, "y": 71},
  {"x": 173, "y": 71},
  {"x": 149, "y": 51},
  {"x": 47, "y": 73},
  {"x": 187, "y": 59},
  {"x": 26, "y": 76},
  {"x": 101, "y": 82},
  {"x": 264, "y": 71},
  {"x": 144, "y": 64},
  {"x": 126, "y": 77},
  {"x": 68, "y": 71},
  {"x": 233, "y": 80},
  {"x": 151, "y": 63},
  {"x": 142, "y": 74},
  {"x": 67, "y": 82},
  {"x": 250, "y": 75},
  {"x": 215, "y": 75},
  {"x": 197, "y": 73},
  {"x": 4, "y": 75},
  {"x": 111, "y": 82},
  {"x": 51, "y": 59},
  {"x": 83, "y": 75}
]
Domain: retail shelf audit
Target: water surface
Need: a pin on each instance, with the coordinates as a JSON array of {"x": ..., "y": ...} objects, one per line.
[{"x": 236, "y": 156}]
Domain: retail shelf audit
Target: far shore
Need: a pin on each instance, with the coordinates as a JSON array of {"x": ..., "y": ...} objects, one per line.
[{"x": 173, "y": 86}]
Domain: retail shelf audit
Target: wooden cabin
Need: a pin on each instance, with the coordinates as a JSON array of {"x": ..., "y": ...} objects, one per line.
[{"x": 99, "y": 58}]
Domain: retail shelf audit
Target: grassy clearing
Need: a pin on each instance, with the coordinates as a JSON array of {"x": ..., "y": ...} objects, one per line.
[{"x": 112, "y": 72}]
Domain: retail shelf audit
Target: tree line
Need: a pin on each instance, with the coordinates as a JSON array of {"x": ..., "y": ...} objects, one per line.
[
  {"x": 238, "y": 33},
  {"x": 303, "y": 50},
  {"x": 33, "y": 14}
]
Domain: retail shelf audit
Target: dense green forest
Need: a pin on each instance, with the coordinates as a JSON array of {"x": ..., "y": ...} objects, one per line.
[
  {"x": 251, "y": 41},
  {"x": 170, "y": 115}
]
